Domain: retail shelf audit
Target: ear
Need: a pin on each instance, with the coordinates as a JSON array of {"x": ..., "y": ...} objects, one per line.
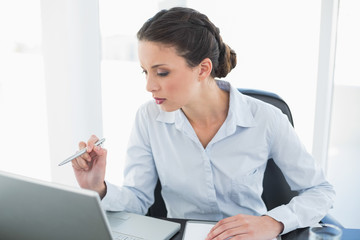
[{"x": 205, "y": 68}]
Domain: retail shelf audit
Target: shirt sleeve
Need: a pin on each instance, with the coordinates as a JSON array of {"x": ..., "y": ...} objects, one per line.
[
  {"x": 303, "y": 174},
  {"x": 140, "y": 176}
]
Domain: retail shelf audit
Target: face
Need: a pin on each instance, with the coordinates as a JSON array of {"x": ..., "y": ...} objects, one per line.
[{"x": 169, "y": 78}]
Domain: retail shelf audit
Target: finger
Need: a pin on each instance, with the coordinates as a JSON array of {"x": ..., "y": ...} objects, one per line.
[
  {"x": 228, "y": 226},
  {"x": 244, "y": 236},
  {"x": 86, "y": 156},
  {"x": 230, "y": 232},
  {"x": 82, "y": 145},
  {"x": 234, "y": 233},
  {"x": 75, "y": 165},
  {"x": 101, "y": 156},
  {"x": 82, "y": 163},
  {"x": 100, "y": 151},
  {"x": 91, "y": 142},
  {"x": 223, "y": 221},
  {"x": 224, "y": 231}
]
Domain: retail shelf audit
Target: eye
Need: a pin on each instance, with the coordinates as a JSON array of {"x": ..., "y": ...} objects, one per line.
[
  {"x": 144, "y": 71},
  {"x": 163, "y": 74}
]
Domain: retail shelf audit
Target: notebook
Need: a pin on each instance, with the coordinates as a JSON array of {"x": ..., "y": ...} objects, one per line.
[
  {"x": 34, "y": 209},
  {"x": 198, "y": 229}
]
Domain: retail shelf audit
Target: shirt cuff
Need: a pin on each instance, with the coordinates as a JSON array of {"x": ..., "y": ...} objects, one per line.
[
  {"x": 108, "y": 199},
  {"x": 284, "y": 215}
]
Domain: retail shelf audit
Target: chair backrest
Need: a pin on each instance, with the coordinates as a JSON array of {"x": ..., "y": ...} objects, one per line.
[{"x": 276, "y": 190}]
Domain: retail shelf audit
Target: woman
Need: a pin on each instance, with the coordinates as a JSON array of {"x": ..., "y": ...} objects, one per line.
[{"x": 206, "y": 142}]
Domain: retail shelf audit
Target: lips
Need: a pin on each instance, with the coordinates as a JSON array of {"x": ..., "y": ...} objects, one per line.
[{"x": 159, "y": 100}]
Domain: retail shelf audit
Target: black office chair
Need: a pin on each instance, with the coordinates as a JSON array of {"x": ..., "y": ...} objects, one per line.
[{"x": 276, "y": 191}]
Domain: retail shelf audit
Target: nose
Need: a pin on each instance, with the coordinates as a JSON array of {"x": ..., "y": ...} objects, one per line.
[{"x": 151, "y": 84}]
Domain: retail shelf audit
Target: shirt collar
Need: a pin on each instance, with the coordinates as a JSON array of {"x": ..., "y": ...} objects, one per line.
[
  {"x": 176, "y": 117},
  {"x": 239, "y": 110}
]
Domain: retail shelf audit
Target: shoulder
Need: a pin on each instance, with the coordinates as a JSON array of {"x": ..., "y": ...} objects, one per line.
[
  {"x": 271, "y": 119},
  {"x": 261, "y": 111},
  {"x": 261, "y": 108}
]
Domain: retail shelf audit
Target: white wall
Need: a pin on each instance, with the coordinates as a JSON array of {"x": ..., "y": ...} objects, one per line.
[{"x": 71, "y": 50}]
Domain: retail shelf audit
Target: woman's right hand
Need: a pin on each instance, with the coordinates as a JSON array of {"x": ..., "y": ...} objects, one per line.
[{"x": 90, "y": 167}]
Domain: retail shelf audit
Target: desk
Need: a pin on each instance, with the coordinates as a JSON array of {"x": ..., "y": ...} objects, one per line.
[{"x": 298, "y": 234}]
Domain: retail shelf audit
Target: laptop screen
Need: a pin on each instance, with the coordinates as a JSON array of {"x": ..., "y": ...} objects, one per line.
[{"x": 34, "y": 209}]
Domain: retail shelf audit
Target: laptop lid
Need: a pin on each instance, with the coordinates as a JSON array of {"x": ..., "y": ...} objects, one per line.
[{"x": 34, "y": 209}]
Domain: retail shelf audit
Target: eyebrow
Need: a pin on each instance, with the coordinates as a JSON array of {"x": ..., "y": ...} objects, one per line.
[
  {"x": 155, "y": 66},
  {"x": 158, "y": 65}
]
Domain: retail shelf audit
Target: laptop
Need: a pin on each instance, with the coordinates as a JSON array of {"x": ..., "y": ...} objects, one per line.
[{"x": 39, "y": 210}]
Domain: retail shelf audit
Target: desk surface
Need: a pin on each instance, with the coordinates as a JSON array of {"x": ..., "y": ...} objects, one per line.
[
  {"x": 298, "y": 234},
  {"x": 294, "y": 235}
]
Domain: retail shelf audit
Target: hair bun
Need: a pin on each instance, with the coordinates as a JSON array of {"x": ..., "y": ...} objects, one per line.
[{"x": 227, "y": 61}]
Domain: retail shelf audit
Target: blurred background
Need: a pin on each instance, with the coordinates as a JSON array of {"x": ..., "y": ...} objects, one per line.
[{"x": 69, "y": 69}]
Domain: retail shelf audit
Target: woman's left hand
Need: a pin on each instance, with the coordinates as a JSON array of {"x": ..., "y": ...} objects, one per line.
[{"x": 246, "y": 227}]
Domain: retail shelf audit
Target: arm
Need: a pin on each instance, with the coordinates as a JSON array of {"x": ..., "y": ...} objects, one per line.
[
  {"x": 303, "y": 174},
  {"x": 140, "y": 175}
]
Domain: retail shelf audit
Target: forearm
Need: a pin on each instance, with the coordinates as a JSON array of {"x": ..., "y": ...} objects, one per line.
[
  {"x": 124, "y": 199},
  {"x": 306, "y": 209}
]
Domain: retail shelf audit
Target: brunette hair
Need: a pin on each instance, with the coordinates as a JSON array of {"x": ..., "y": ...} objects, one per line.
[{"x": 194, "y": 37}]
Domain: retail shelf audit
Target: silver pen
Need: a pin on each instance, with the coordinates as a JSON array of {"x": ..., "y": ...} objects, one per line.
[{"x": 81, "y": 152}]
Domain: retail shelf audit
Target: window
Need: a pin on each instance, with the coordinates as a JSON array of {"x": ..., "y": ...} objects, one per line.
[
  {"x": 277, "y": 51},
  {"x": 122, "y": 82},
  {"x": 23, "y": 125},
  {"x": 344, "y": 151}
]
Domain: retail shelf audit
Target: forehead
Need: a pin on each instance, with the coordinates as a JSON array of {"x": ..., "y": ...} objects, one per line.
[{"x": 152, "y": 53}]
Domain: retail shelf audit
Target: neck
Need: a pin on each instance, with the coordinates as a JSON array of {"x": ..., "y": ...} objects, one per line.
[{"x": 210, "y": 107}]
